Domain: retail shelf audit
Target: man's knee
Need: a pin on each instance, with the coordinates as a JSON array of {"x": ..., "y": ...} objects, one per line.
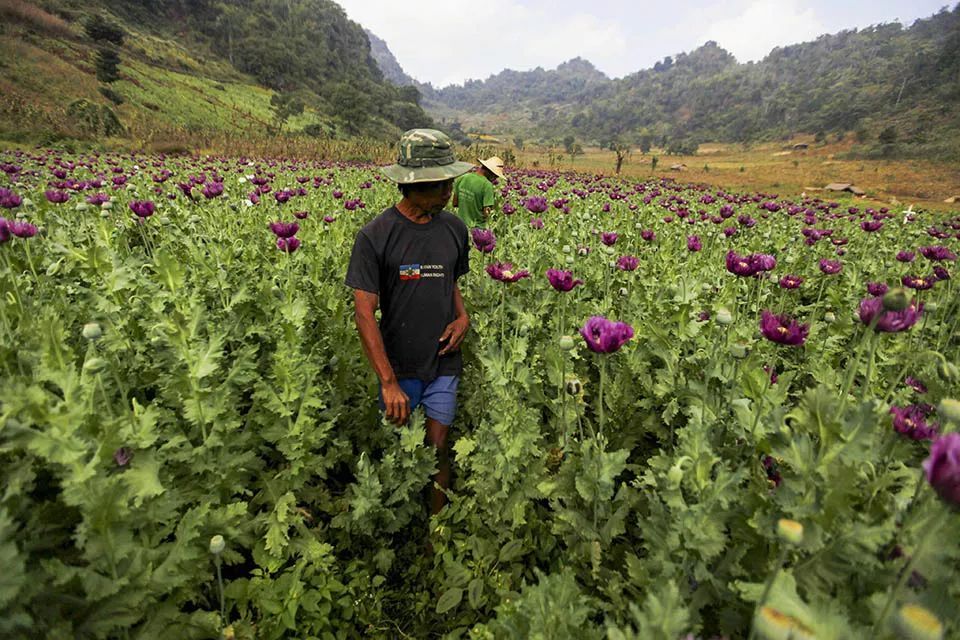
[{"x": 437, "y": 434}]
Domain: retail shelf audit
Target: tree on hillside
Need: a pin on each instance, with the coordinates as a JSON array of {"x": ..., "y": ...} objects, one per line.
[
  {"x": 285, "y": 105},
  {"x": 622, "y": 152}
]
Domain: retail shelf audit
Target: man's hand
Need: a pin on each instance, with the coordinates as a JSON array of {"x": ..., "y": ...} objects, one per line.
[
  {"x": 454, "y": 334},
  {"x": 396, "y": 403}
]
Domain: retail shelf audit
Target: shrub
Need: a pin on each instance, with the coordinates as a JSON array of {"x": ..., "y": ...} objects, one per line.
[
  {"x": 101, "y": 29},
  {"x": 111, "y": 95},
  {"x": 107, "y": 64},
  {"x": 93, "y": 119}
]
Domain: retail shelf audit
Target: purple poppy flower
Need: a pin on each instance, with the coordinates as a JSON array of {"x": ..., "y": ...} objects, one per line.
[
  {"x": 911, "y": 422},
  {"x": 503, "y": 271},
  {"x": 288, "y": 245},
  {"x": 123, "y": 456},
  {"x": 915, "y": 384},
  {"x": 730, "y": 231},
  {"x": 22, "y": 229},
  {"x": 4, "y": 230},
  {"x": 940, "y": 273},
  {"x": 703, "y": 316},
  {"x": 782, "y": 329},
  {"x": 906, "y": 256},
  {"x": 609, "y": 238},
  {"x": 9, "y": 200},
  {"x": 790, "y": 282},
  {"x": 282, "y": 196},
  {"x": 537, "y": 223},
  {"x": 739, "y": 265},
  {"x": 302, "y": 215},
  {"x": 877, "y": 288},
  {"x": 329, "y": 219},
  {"x": 938, "y": 253},
  {"x": 942, "y": 468},
  {"x": 648, "y": 235},
  {"x": 762, "y": 262},
  {"x": 772, "y": 469},
  {"x": 628, "y": 263},
  {"x": 143, "y": 208},
  {"x": 694, "y": 244},
  {"x": 830, "y": 267},
  {"x": 605, "y": 336},
  {"x": 484, "y": 240},
  {"x": 337, "y": 194},
  {"x": 56, "y": 197},
  {"x": 97, "y": 199},
  {"x": 284, "y": 229},
  {"x": 871, "y": 310},
  {"x": 509, "y": 209},
  {"x": 871, "y": 225},
  {"x": 562, "y": 281},
  {"x": 212, "y": 190},
  {"x": 536, "y": 204},
  {"x": 919, "y": 282}
]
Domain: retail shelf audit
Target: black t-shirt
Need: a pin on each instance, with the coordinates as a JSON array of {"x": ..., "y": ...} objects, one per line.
[{"x": 413, "y": 268}]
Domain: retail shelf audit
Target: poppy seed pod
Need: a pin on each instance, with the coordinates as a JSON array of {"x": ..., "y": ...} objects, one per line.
[
  {"x": 574, "y": 387},
  {"x": 896, "y": 299},
  {"x": 567, "y": 343},
  {"x": 724, "y": 316},
  {"x": 948, "y": 371},
  {"x": 949, "y": 410},
  {"x": 217, "y": 545},
  {"x": 92, "y": 331}
]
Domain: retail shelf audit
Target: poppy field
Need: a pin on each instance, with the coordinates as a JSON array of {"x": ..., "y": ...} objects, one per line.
[{"x": 685, "y": 413}]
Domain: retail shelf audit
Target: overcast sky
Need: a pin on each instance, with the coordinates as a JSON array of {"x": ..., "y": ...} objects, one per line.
[{"x": 449, "y": 41}]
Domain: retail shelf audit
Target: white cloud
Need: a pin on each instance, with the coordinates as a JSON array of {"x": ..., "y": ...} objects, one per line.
[
  {"x": 447, "y": 42},
  {"x": 762, "y": 25}
]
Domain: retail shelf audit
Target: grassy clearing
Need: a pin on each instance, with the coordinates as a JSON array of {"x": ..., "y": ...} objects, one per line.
[{"x": 771, "y": 167}]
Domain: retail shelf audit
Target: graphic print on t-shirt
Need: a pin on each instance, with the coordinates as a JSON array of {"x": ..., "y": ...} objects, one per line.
[
  {"x": 409, "y": 272},
  {"x": 417, "y": 271}
]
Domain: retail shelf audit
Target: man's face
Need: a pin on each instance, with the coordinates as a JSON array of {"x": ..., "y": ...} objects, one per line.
[{"x": 434, "y": 199}]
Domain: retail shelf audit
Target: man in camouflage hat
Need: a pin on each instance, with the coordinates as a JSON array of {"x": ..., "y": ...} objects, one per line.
[{"x": 407, "y": 261}]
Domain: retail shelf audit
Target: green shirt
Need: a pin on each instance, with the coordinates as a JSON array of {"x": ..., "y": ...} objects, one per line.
[{"x": 474, "y": 192}]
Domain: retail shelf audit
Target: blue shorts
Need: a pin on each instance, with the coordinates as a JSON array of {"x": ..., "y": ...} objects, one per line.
[{"x": 439, "y": 397}]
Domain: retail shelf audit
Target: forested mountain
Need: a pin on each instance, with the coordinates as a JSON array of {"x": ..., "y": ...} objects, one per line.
[
  {"x": 901, "y": 82},
  {"x": 166, "y": 61},
  {"x": 386, "y": 61}
]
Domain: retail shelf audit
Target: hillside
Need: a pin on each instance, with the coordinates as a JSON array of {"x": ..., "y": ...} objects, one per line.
[
  {"x": 902, "y": 82},
  {"x": 244, "y": 68}
]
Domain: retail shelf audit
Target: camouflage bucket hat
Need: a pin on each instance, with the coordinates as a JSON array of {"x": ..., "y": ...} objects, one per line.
[{"x": 426, "y": 155}]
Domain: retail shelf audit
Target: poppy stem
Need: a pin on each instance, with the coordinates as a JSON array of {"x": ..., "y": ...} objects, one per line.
[
  {"x": 874, "y": 342},
  {"x": 603, "y": 377}
]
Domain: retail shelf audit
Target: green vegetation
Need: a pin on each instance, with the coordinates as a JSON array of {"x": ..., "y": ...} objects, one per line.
[{"x": 886, "y": 78}]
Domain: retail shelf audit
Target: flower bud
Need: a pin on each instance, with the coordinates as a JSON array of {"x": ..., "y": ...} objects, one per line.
[
  {"x": 738, "y": 350},
  {"x": 567, "y": 343},
  {"x": 949, "y": 410},
  {"x": 217, "y": 545},
  {"x": 829, "y": 317},
  {"x": 569, "y": 260},
  {"x": 92, "y": 331},
  {"x": 724, "y": 316},
  {"x": 773, "y": 624},
  {"x": 917, "y": 623},
  {"x": 897, "y": 299},
  {"x": 790, "y": 531},
  {"x": 930, "y": 307},
  {"x": 948, "y": 371},
  {"x": 574, "y": 387}
]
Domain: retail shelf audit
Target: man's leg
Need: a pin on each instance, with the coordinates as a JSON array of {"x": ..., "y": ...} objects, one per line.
[
  {"x": 440, "y": 405},
  {"x": 437, "y": 436}
]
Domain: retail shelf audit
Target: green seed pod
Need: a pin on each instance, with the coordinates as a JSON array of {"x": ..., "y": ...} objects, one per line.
[
  {"x": 724, "y": 316},
  {"x": 164, "y": 220},
  {"x": 105, "y": 214},
  {"x": 569, "y": 260},
  {"x": 93, "y": 365},
  {"x": 829, "y": 317},
  {"x": 567, "y": 343},
  {"x": 107, "y": 205},
  {"x": 82, "y": 206},
  {"x": 574, "y": 387},
  {"x": 92, "y": 331},
  {"x": 738, "y": 350},
  {"x": 949, "y": 410},
  {"x": 930, "y": 307},
  {"x": 566, "y": 248},
  {"x": 948, "y": 371},
  {"x": 917, "y": 623},
  {"x": 217, "y": 545},
  {"x": 896, "y": 299}
]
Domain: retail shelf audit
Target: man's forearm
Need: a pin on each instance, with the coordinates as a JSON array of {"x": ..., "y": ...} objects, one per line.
[{"x": 372, "y": 341}]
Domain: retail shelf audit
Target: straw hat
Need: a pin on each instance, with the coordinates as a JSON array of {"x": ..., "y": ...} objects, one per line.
[
  {"x": 426, "y": 155},
  {"x": 495, "y": 165}
]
